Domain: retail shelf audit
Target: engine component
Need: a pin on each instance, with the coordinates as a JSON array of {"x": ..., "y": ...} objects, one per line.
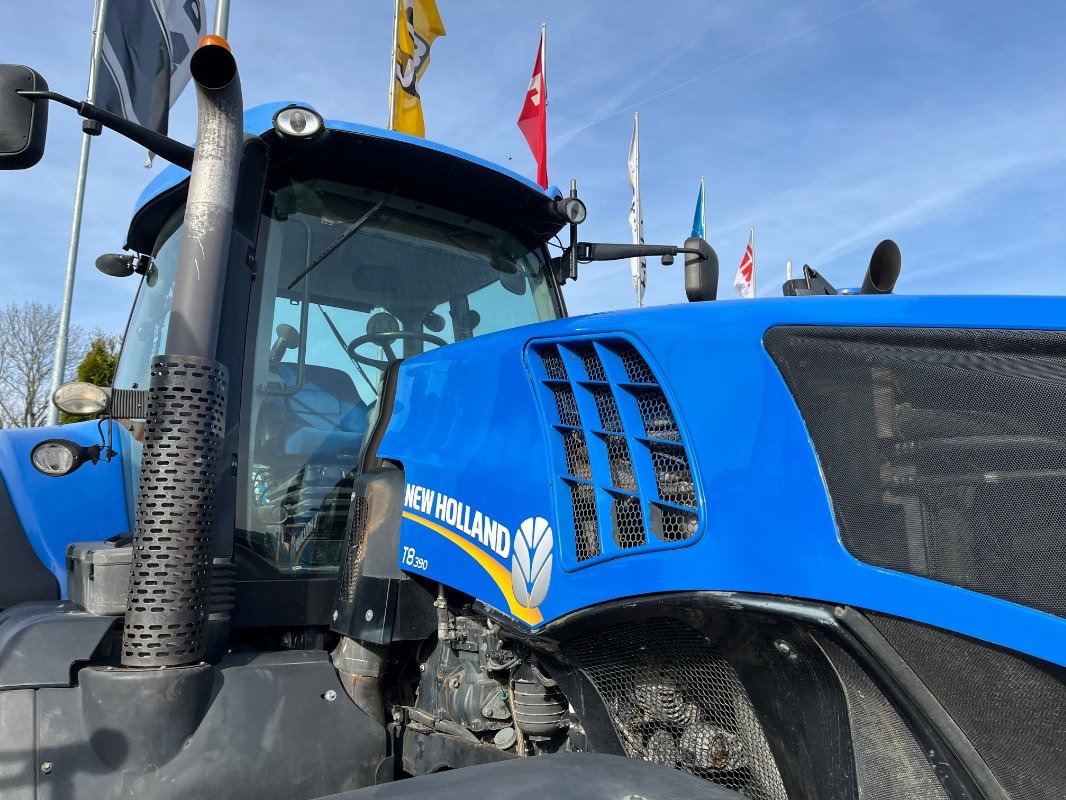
[
  {"x": 492, "y": 689},
  {"x": 539, "y": 706},
  {"x": 705, "y": 748},
  {"x": 360, "y": 667},
  {"x": 662, "y": 748},
  {"x": 662, "y": 701}
]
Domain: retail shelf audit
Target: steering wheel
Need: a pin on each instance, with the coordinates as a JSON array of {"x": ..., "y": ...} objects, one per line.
[{"x": 385, "y": 340}]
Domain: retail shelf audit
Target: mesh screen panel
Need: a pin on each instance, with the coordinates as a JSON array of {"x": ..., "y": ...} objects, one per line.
[
  {"x": 674, "y": 700},
  {"x": 944, "y": 450},
  {"x": 1011, "y": 710},
  {"x": 889, "y": 762}
]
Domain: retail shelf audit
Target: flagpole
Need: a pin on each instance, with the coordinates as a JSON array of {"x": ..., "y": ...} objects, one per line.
[
  {"x": 637, "y": 222},
  {"x": 754, "y": 292},
  {"x": 392, "y": 64},
  {"x": 59, "y": 360},
  {"x": 544, "y": 68},
  {"x": 703, "y": 207},
  {"x": 222, "y": 18}
]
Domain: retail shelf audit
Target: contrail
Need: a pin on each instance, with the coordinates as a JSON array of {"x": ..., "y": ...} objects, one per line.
[{"x": 633, "y": 106}]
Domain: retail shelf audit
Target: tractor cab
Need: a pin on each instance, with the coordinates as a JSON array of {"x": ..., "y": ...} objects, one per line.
[{"x": 338, "y": 279}]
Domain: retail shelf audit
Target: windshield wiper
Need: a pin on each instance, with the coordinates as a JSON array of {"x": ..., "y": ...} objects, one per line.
[{"x": 355, "y": 226}]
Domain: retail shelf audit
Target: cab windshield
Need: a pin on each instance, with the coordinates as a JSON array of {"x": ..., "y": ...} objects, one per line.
[{"x": 352, "y": 280}]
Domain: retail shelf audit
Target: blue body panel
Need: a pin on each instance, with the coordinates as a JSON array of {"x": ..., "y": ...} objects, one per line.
[
  {"x": 260, "y": 119},
  {"x": 90, "y": 504},
  {"x": 467, "y": 424}
]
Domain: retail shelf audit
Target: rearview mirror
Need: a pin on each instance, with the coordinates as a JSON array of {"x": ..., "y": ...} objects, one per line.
[
  {"x": 23, "y": 122},
  {"x": 701, "y": 270}
]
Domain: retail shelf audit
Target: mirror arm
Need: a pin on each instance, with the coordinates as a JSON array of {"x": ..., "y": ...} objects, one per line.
[{"x": 173, "y": 151}]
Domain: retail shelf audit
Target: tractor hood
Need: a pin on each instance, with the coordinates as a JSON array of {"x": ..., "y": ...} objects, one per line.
[{"x": 769, "y": 447}]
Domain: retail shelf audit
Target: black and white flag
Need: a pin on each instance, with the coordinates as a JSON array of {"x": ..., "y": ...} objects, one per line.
[{"x": 145, "y": 57}]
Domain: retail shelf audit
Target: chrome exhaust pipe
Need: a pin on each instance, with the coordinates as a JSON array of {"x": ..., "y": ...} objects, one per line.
[{"x": 209, "y": 208}]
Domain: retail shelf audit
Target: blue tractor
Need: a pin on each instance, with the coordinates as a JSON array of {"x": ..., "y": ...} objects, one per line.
[{"x": 366, "y": 515}]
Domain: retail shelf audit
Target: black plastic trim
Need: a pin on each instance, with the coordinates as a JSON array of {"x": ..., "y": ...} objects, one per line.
[{"x": 23, "y": 576}]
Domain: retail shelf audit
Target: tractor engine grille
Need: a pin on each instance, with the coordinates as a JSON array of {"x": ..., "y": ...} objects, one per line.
[
  {"x": 674, "y": 700},
  {"x": 624, "y": 476},
  {"x": 944, "y": 450}
]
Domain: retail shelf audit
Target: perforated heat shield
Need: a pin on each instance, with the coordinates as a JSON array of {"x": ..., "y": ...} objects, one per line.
[{"x": 170, "y": 576}]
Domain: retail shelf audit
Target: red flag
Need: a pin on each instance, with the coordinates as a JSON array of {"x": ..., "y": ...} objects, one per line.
[
  {"x": 533, "y": 121},
  {"x": 744, "y": 282}
]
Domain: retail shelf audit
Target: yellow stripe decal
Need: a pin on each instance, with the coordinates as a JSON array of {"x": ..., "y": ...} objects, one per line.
[{"x": 497, "y": 571}]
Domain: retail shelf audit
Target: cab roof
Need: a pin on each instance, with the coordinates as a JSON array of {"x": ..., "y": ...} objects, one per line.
[{"x": 376, "y": 158}]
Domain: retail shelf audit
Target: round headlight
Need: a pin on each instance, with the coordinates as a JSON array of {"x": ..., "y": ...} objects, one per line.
[
  {"x": 80, "y": 398},
  {"x": 570, "y": 210},
  {"x": 55, "y": 457},
  {"x": 298, "y": 122}
]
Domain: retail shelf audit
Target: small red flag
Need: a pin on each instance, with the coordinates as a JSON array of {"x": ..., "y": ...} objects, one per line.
[
  {"x": 744, "y": 282},
  {"x": 533, "y": 121}
]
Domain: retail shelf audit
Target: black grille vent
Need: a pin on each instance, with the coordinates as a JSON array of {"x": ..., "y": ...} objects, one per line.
[
  {"x": 553, "y": 363},
  {"x": 627, "y": 521},
  {"x": 627, "y": 476},
  {"x": 944, "y": 450},
  {"x": 566, "y": 406},
  {"x": 586, "y": 526},
  {"x": 674, "y": 700},
  {"x": 622, "y": 474},
  {"x": 655, "y": 413},
  {"x": 607, "y": 409},
  {"x": 350, "y": 567},
  {"x": 590, "y": 359},
  {"x": 634, "y": 364},
  {"x": 577, "y": 453}
]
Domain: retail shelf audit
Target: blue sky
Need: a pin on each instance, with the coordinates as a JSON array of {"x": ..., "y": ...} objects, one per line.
[{"x": 827, "y": 125}]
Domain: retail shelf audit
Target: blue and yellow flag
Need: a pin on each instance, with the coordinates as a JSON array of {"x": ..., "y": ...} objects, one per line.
[
  {"x": 699, "y": 219},
  {"x": 418, "y": 23}
]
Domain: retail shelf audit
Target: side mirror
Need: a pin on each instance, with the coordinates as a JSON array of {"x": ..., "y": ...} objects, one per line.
[
  {"x": 701, "y": 270},
  {"x": 23, "y": 122}
]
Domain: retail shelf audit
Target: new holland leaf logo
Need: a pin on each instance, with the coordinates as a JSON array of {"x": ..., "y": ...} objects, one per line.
[{"x": 531, "y": 563}]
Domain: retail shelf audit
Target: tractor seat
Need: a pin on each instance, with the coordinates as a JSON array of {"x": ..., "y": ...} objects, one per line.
[{"x": 326, "y": 418}]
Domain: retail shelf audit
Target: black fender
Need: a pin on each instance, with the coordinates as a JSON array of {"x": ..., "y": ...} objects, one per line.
[{"x": 590, "y": 776}]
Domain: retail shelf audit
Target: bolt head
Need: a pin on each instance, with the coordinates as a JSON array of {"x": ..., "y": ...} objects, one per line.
[
  {"x": 369, "y": 615},
  {"x": 46, "y": 767},
  {"x": 329, "y": 696}
]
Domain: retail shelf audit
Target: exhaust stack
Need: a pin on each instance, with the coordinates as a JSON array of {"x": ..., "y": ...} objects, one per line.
[
  {"x": 883, "y": 272},
  {"x": 170, "y": 580}
]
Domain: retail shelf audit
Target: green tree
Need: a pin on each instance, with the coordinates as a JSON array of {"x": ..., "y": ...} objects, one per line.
[{"x": 98, "y": 365}]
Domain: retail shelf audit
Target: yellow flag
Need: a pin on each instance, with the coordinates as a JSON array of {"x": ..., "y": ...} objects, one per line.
[{"x": 418, "y": 23}]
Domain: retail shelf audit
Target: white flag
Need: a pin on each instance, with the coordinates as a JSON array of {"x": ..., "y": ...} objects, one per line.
[
  {"x": 744, "y": 282},
  {"x": 637, "y": 266},
  {"x": 145, "y": 57}
]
